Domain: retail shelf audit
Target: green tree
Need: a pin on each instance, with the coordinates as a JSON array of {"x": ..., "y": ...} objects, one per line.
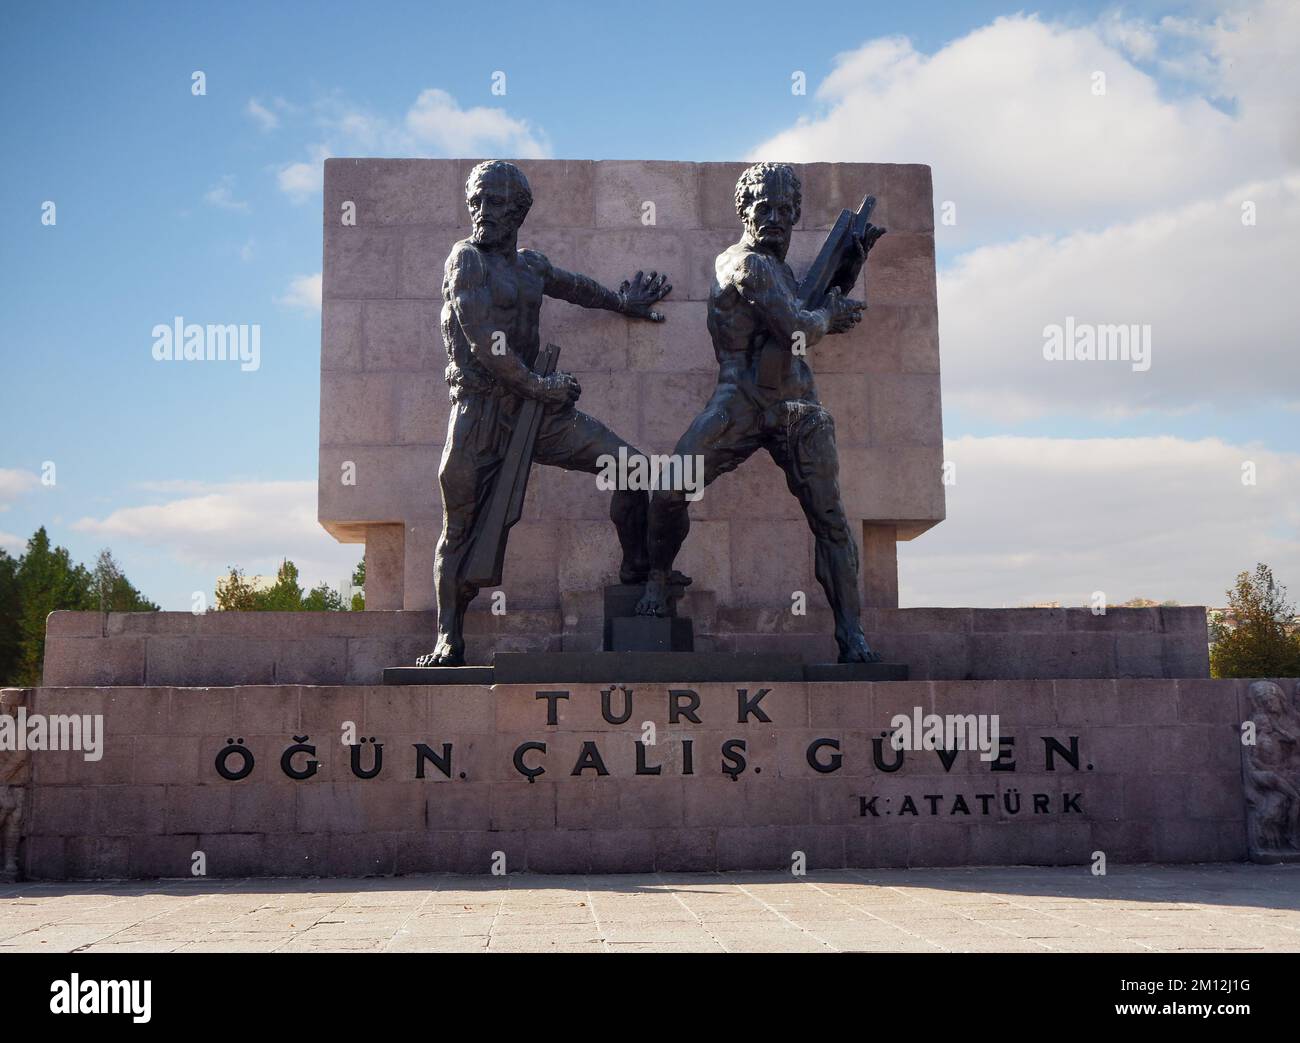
[
  {"x": 235, "y": 593},
  {"x": 47, "y": 580},
  {"x": 359, "y": 581},
  {"x": 10, "y": 638},
  {"x": 323, "y": 598},
  {"x": 114, "y": 592},
  {"x": 1254, "y": 639},
  {"x": 285, "y": 595}
]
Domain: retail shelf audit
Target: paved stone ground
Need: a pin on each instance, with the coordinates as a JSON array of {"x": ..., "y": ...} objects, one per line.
[{"x": 1133, "y": 909}]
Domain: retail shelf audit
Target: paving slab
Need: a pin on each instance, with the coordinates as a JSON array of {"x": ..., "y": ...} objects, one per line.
[{"x": 1222, "y": 907}]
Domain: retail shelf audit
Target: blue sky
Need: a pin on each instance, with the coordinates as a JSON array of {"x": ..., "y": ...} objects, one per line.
[{"x": 170, "y": 204}]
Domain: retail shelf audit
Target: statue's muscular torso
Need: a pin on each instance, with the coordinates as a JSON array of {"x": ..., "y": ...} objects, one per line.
[
  {"x": 487, "y": 293},
  {"x": 483, "y": 293},
  {"x": 755, "y": 297}
]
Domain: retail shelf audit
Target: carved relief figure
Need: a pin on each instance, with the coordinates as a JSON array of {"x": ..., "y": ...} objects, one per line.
[
  {"x": 15, "y": 771},
  {"x": 1271, "y": 771}
]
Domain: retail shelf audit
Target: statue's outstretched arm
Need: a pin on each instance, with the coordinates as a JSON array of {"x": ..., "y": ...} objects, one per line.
[{"x": 633, "y": 298}]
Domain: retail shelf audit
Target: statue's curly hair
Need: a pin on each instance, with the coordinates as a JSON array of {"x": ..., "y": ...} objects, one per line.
[
  {"x": 521, "y": 193},
  {"x": 759, "y": 174}
]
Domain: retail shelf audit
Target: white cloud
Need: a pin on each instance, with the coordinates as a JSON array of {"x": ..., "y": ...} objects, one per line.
[
  {"x": 300, "y": 181},
  {"x": 1007, "y": 118},
  {"x": 304, "y": 292},
  {"x": 222, "y": 195},
  {"x": 1124, "y": 208},
  {"x": 1051, "y": 519},
  {"x": 1248, "y": 56},
  {"x": 434, "y": 125},
  {"x": 13, "y": 545},
  {"x": 1133, "y": 37},
  {"x": 253, "y": 525},
  {"x": 173, "y": 485},
  {"x": 435, "y": 122},
  {"x": 265, "y": 118},
  {"x": 1218, "y": 295},
  {"x": 15, "y": 483}
]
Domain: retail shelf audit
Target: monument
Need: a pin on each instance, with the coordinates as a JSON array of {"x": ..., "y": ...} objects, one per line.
[
  {"x": 610, "y": 717},
  {"x": 506, "y": 416}
]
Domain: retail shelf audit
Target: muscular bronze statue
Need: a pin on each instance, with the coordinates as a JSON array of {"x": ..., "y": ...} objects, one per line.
[
  {"x": 755, "y": 304},
  {"x": 492, "y": 297}
]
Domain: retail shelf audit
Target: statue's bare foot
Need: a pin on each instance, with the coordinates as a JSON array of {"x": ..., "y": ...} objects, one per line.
[
  {"x": 654, "y": 602},
  {"x": 856, "y": 650},
  {"x": 446, "y": 654}
]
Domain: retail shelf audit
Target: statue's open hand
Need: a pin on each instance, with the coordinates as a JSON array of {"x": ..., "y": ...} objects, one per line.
[
  {"x": 873, "y": 233},
  {"x": 860, "y": 247},
  {"x": 636, "y": 295},
  {"x": 560, "y": 389},
  {"x": 844, "y": 312}
]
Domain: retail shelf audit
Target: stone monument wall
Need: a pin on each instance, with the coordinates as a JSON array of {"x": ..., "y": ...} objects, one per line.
[
  {"x": 228, "y": 648},
  {"x": 1141, "y": 770},
  {"x": 384, "y": 403}
]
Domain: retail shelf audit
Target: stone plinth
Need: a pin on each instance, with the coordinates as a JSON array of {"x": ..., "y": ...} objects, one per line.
[
  {"x": 228, "y": 648},
  {"x": 737, "y": 777},
  {"x": 384, "y": 403}
]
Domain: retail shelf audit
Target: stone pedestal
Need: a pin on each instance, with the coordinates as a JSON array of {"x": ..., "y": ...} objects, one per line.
[
  {"x": 649, "y": 634},
  {"x": 229, "y": 648},
  {"x": 586, "y": 778},
  {"x": 625, "y": 631}
]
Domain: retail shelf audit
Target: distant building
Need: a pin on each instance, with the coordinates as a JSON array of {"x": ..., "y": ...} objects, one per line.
[{"x": 1224, "y": 618}]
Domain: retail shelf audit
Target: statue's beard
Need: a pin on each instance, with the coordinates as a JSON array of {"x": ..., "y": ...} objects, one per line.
[
  {"x": 493, "y": 236},
  {"x": 780, "y": 243}
]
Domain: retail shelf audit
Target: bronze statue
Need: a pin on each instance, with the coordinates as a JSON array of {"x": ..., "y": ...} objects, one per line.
[
  {"x": 761, "y": 321},
  {"x": 492, "y": 297}
]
